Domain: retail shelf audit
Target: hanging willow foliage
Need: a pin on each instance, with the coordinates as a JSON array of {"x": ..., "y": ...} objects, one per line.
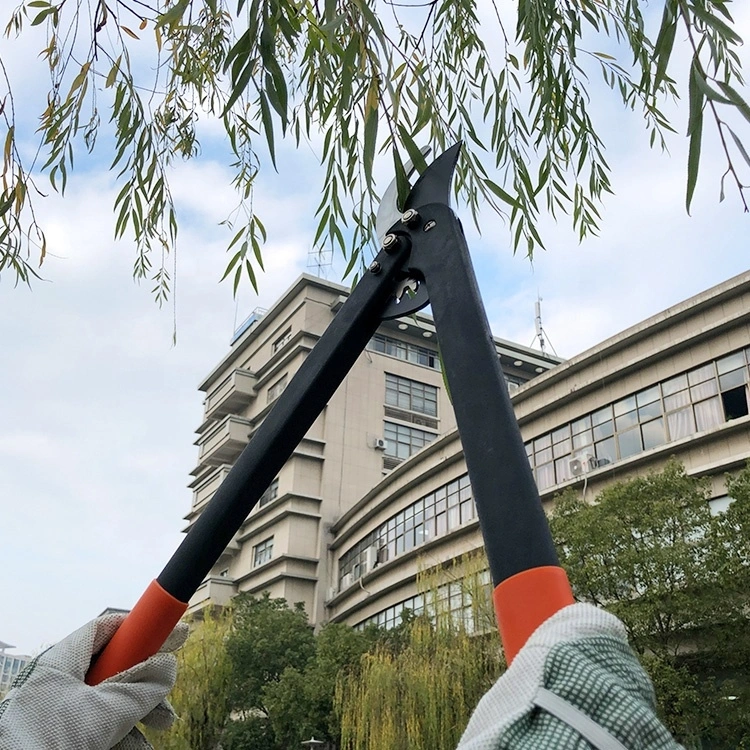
[
  {"x": 200, "y": 696},
  {"x": 419, "y": 694},
  {"x": 351, "y": 79}
]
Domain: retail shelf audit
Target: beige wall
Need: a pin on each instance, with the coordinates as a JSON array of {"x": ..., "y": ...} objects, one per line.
[{"x": 712, "y": 325}]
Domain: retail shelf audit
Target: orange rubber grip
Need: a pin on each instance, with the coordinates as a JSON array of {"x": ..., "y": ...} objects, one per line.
[
  {"x": 141, "y": 634},
  {"x": 525, "y": 600}
]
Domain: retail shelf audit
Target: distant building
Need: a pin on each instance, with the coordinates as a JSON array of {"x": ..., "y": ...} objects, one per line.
[
  {"x": 113, "y": 611},
  {"x": 380, "y": 481},
  {"x": 10, "y": 666}
]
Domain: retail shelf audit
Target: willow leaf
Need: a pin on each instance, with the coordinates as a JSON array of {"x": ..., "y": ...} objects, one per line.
[
  {"x": 265, "y": 113},
  {"x": 694, "y": 156}
]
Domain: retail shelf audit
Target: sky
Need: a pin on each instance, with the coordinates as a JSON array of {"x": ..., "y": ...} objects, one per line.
[{"x": 98, "y": 408}]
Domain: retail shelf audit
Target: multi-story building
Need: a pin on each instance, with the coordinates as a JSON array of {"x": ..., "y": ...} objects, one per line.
[
  {"x": 392, "y": 403},
  {"x": 379, "y": 486},
  {"x": 10, "y": 666}
]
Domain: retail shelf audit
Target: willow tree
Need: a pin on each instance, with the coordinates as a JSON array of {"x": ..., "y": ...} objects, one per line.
[
  {"x": 201, "y": 694},
  {"x": 418, "y": 691},
  {"x": 353, "y": 79}
]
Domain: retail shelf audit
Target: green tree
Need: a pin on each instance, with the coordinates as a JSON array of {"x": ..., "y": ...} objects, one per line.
[
  {"x": 200, "y": 696},
  {"x": 417, "y": 689},
  {"x": 268, "y": 636},
  {"x": 650, "y": 551},
  {"x": 301, "y": 703},
  {"x": 254, "y": 732},
  {"x": 421, "y": 696},
  {"x": 283, "y": 677},
  {"x": 355, "y": 78}
]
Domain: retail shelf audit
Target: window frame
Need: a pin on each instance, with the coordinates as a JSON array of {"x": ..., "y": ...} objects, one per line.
[
  {"x": 263, "y": 552},
  {"x": 282, "y": 340},
  {"x": 277, "y": 388},
  {"x": 415, "y": 394},
  {"x": 672, "y": 409},
  {"x": 270, "y": 493},
  {"x": 414, "y": 435}
]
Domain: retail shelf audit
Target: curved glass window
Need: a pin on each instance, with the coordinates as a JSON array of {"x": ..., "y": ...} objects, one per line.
[
  {"x": 695, "y": 401},
  {"x": 435, "y": 514}
]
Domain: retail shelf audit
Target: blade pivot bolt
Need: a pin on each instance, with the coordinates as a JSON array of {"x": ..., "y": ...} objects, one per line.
[
  {"x": 410, "y": 217},
  {"x": 375, "y": 267}
]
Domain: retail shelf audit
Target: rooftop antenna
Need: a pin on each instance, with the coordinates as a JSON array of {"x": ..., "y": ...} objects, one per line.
[
  {"x": 540, "y": 332},
  {"x": 538, "y": 322},
  {"x": 320, "y": 261}
]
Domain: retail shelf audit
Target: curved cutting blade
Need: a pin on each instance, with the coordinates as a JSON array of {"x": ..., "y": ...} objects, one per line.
[
  {"x": 389, "y": 212},
  {"x": 434, "y": 184}
]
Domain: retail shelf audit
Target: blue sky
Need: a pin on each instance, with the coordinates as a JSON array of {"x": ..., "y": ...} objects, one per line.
[{"x": 98, "y": 409}]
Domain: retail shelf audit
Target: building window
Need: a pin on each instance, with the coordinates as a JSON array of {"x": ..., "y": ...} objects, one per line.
[
  {"x": 410, "y": 395},
  {"x": 403, "y": 441},
  {"x": 270, "y": 494},
  {"x": 733, "y": 378},
  {"x": 283, "y": 340},
  {"x": 694, "y": 401},
  {"x": 276, "y": 389},
  {"x": 418, "y": 355},
  {"x": 389, "y": 617},
  {"x": 436, "y": 514},
  {"x": 224, "y": 573},
  {"x": 455, "y": 599},
  {"x": 719, "y": 505},
  {"x": 263, "y": 552}
]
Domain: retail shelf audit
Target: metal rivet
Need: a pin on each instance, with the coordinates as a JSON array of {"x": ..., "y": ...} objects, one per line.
[
  {"x": 390, "y": 242},
  {"x": 375, "y": 267},
  {"x": 430, "y": 225},
  {"x": 410, "y": 217}
]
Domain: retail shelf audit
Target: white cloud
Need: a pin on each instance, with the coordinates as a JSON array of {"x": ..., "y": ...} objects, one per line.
[{"x": 99, "y": 408}]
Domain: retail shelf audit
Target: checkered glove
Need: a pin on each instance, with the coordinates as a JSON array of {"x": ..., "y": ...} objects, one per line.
[
  {"x": 50, "y": 707},
  {"x": 575, "y": 685}
]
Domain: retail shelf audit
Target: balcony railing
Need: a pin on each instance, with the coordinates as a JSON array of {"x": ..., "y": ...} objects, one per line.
[
  {"x": 215, "y": 590},
  {"x": 231, "y": 395},
  {"x": 224, "y": 442},
  {"x": 204, "y": 491}
]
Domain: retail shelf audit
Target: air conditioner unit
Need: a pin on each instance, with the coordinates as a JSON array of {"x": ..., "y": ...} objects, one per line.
[
  {"x": 380, "y": 444},
  {"x": 346, "y": 581},
  {"x": 582, "y": 464},
  {"x": 576, "y": 467},
  {"x": 332, "y": 591},
  {"x": 372, "y": 558}
]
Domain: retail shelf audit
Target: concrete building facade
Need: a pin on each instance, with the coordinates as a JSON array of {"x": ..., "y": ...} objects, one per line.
[
  {"x": 392, "y": 403},
  {"x": 378, "y": 488}
]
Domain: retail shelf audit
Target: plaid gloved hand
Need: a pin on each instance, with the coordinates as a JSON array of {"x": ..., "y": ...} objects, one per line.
[
  {"x": 575, "y": 685},
  {"x": 50, "y": 706}
]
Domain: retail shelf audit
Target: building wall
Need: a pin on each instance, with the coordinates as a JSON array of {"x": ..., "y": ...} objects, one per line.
[
  {"x": 10, "y": 666},
  {"x": 705, "y": 341}
]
